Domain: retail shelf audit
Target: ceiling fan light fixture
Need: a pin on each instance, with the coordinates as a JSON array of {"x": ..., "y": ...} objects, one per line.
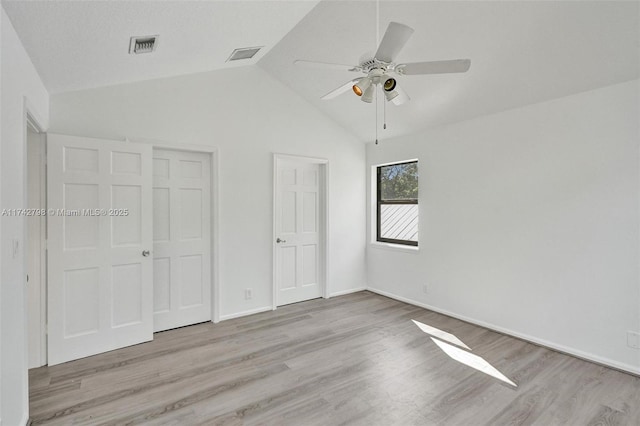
[
  {"x": 367, "y": 96},
  {"x": 389, "y": 84},
  {"x": 401, "y": 99},
  {"x": 390, "y": 95},
  {"x": 361, "y": 86}
]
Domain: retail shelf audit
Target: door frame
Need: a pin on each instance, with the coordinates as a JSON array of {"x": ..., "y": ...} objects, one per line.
[
  {"x": 324, "y": 221},
  {"x": 214, "y": 154},
  {"x": 32, "y": 121}
]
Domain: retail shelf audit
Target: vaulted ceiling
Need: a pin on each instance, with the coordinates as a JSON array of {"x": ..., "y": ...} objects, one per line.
[
  {"x": 84, "y": 44},
  {"x": 521, "y": 52}
]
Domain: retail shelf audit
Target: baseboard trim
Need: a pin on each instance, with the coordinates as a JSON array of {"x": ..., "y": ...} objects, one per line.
[
  {"x": 606, "y": 362},
  {"x": 343, "y": 292},
  {"x": 246, "y": 313}
]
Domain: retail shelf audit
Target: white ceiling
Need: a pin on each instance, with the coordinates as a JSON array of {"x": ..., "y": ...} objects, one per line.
[
  {"x": 84, "y": 44},
  {"x": 521, "y": 52}
]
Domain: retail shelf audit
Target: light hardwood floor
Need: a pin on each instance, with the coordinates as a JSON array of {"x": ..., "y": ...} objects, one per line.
[{"x": 356, "y": 359}]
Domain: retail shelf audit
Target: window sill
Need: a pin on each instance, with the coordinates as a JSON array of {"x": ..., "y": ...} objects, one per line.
[{"x": 394, "y": 247}]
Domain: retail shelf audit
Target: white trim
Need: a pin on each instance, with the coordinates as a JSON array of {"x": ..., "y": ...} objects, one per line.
[
  {"x": 541, "y": 342},
  {"x": 315, "y": 160},
  {"x": 44, "y": 252},
  {"x": 215, "y": 215},
  {"x": 389, "y": 163},
  {"x": 215, "y": 209},
  {"x": 344, "y": 292},
  {"x": 177, "y": 146},
  {"x": 31, "y": 118},
  {"x": 325, "y": 216},
  {"x": 274, "y": 291},
  {"x": 324, "y": 167},
  {"x": 246, "y": 313},
  {"x": 394, "y": 247}
]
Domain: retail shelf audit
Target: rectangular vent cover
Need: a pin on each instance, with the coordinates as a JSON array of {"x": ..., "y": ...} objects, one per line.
[
  {"x": 244, "y": 53},
  {"x": 144, "y": 44}
]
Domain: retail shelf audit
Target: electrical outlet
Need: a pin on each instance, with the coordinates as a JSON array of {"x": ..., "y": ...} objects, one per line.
[
  {"x": 248, "y": 293},
  {"x": 425, "y": 288},
  {"x": 633, "y": 339}
]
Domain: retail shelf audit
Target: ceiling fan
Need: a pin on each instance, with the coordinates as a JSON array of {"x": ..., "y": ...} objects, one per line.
[{"x": 381, "y": 69}]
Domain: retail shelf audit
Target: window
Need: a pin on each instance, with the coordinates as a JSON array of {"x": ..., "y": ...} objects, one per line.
[{"x": 397, "y": 203}]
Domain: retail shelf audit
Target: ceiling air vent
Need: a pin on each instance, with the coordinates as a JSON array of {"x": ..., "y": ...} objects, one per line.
[
  {"x": 244, "y": 53},
  {"x": 143, "y": 44}
]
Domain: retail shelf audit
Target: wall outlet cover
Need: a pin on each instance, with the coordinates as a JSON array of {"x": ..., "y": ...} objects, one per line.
[{"x": 633, "y": 339}]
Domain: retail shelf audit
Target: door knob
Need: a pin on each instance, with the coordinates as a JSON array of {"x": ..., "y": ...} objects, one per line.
[
  {"x": 145, "y": 253},
  {"x": 280, "y": 241}
]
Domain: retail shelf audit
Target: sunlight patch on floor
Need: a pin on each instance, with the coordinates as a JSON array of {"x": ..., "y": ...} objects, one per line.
[
  {"x": 472, "y": 360},
  {"x": 440, "y": 334},
  {"x": 462, "y": 356}
]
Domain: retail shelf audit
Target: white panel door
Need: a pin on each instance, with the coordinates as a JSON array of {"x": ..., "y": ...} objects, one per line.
[
  {"x": 181, "y": 238},
  {"x": 100, "y": 282},
  {"x": 298, "y": 270}
]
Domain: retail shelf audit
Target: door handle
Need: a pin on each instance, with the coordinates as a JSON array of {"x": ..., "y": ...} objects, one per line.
[
  {"x": 145, "y": 253},
  {"x": 280, "y": 241}
]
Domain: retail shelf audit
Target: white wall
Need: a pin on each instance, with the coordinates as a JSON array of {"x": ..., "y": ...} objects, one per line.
[
  {"x": 21, "y": 86},
  {"x": 529, "y": 223},
  {"x": 248, "y": 115}
]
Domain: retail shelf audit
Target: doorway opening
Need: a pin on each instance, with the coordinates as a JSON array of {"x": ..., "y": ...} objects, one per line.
[{"x": 36, "y": 235}]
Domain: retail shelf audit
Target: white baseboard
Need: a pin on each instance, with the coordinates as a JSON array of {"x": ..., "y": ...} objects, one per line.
[
  {"x": 343, "y": 292},
  {"x": 541, "y": 342},
  {"x": 245, "y": 313},
  {"x": 270, "y": 308}
]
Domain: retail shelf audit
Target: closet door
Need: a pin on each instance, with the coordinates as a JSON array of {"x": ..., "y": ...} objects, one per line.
[{"x": 100, "y": 272}]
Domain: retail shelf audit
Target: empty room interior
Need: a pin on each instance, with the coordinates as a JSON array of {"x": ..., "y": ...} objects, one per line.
[{"x": 320, "y": 212}]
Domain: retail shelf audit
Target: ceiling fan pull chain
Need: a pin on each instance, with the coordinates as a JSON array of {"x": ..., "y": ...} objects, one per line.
[
  {"x": 384, "y": 107},
  {"x": 376, "y": 115}
]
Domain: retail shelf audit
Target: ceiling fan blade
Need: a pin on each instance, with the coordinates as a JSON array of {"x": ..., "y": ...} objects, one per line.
[
  {"x": 340, "y": 90},
  {"x": 326, "y": 65},
  {"x": 401, "y": 98},
  {"x": 434, "y": 67},
  {"x": 393, "y": 41}
]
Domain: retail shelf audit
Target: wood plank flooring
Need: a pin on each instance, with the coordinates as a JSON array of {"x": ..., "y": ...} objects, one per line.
[{"x": 351, "y": 360}]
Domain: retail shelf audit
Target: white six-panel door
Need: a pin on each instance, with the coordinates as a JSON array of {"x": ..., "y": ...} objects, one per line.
[
  {"x": 100, "y": 290},
  {"x": 298, "y": 266},
  {"x": 182, "y": 238}
]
